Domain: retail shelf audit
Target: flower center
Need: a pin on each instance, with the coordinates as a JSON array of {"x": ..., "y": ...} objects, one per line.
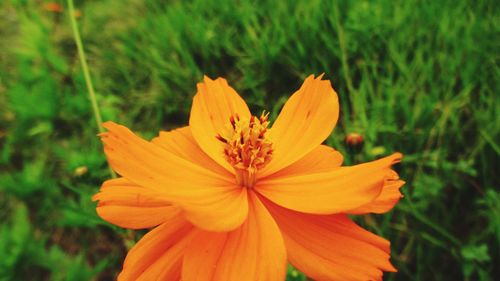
[{"x": 247, "y": 146}]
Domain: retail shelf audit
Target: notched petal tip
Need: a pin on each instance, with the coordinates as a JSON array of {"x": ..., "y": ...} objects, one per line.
[
  {"x": 397, "y": 157},
  {"x": 95, "y": 197},
  {"x": 111, "y": 127},
  {"x": 390, "y": 193},
  {"x": 209, "y": 82},
  {"x": 109, "y": 124},
  {"x": 390, "y": 268},
  {"x": 206, "y": 79},
  {"x": 319, "y": 79},
  {"x": 105, "y": 136}
]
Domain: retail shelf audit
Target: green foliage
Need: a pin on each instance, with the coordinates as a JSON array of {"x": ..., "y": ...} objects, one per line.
[
  {"x": 294, "y": 275},
  {"x": 25, "y": 253},
  {"x": 420, "y": 77}
]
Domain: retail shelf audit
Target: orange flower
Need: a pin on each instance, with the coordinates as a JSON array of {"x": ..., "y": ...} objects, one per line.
[
  {"x": 233, "y": 198},
  {"x": 53, "y": 7}
]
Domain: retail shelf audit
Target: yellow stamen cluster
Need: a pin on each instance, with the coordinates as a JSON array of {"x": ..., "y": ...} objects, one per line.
[{"x": 246, "y": 146}]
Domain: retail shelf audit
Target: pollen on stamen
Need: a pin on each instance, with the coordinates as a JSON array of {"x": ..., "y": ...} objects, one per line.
[{"x": 247, "y": 146}]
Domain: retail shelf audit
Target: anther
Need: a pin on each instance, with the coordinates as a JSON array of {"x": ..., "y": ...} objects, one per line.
[
  {"x": 219, "y": 137},
  {"x": 246, "y": 146}
]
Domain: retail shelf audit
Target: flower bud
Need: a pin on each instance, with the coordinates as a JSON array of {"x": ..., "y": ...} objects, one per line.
[{"x": 354, "y": 140}]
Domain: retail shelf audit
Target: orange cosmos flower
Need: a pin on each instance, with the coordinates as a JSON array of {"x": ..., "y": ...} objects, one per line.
[{"x": 232, "y": 198}]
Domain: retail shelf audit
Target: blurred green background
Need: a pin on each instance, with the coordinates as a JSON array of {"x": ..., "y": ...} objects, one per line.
[{"x": 420, "y": 77}]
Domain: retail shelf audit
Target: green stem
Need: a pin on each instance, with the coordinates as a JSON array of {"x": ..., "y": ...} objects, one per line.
[
  {"x": 83, "y": 61},
  {"x": 86, "y": 73},
  {"x": 343, "y": 50}
]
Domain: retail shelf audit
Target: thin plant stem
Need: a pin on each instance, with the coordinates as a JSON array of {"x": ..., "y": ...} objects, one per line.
[
  {"x": 86, "y": 73},
  {"x": 343, "y": 51}
]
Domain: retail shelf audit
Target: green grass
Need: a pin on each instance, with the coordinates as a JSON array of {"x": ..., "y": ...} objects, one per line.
[{"x": 420, "y": 77}]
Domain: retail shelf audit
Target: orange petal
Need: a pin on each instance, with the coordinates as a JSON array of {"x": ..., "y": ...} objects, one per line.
[
  {"x": 331, "y": 247},
  {"x": 182, "y": 143},
  {"x": 321, "y": 159},
  {"x": 158, "y": 255},
  {"x": 387, "y": 199},
  {"x": 329, "y": 192},
  {"x": 209, "y": 200},
  {"x": 255, "y": 251},
  {"x": 213, "y": 105},
  {"x": 305, "y": 121},
  {"x": 128, "y": 205}
]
